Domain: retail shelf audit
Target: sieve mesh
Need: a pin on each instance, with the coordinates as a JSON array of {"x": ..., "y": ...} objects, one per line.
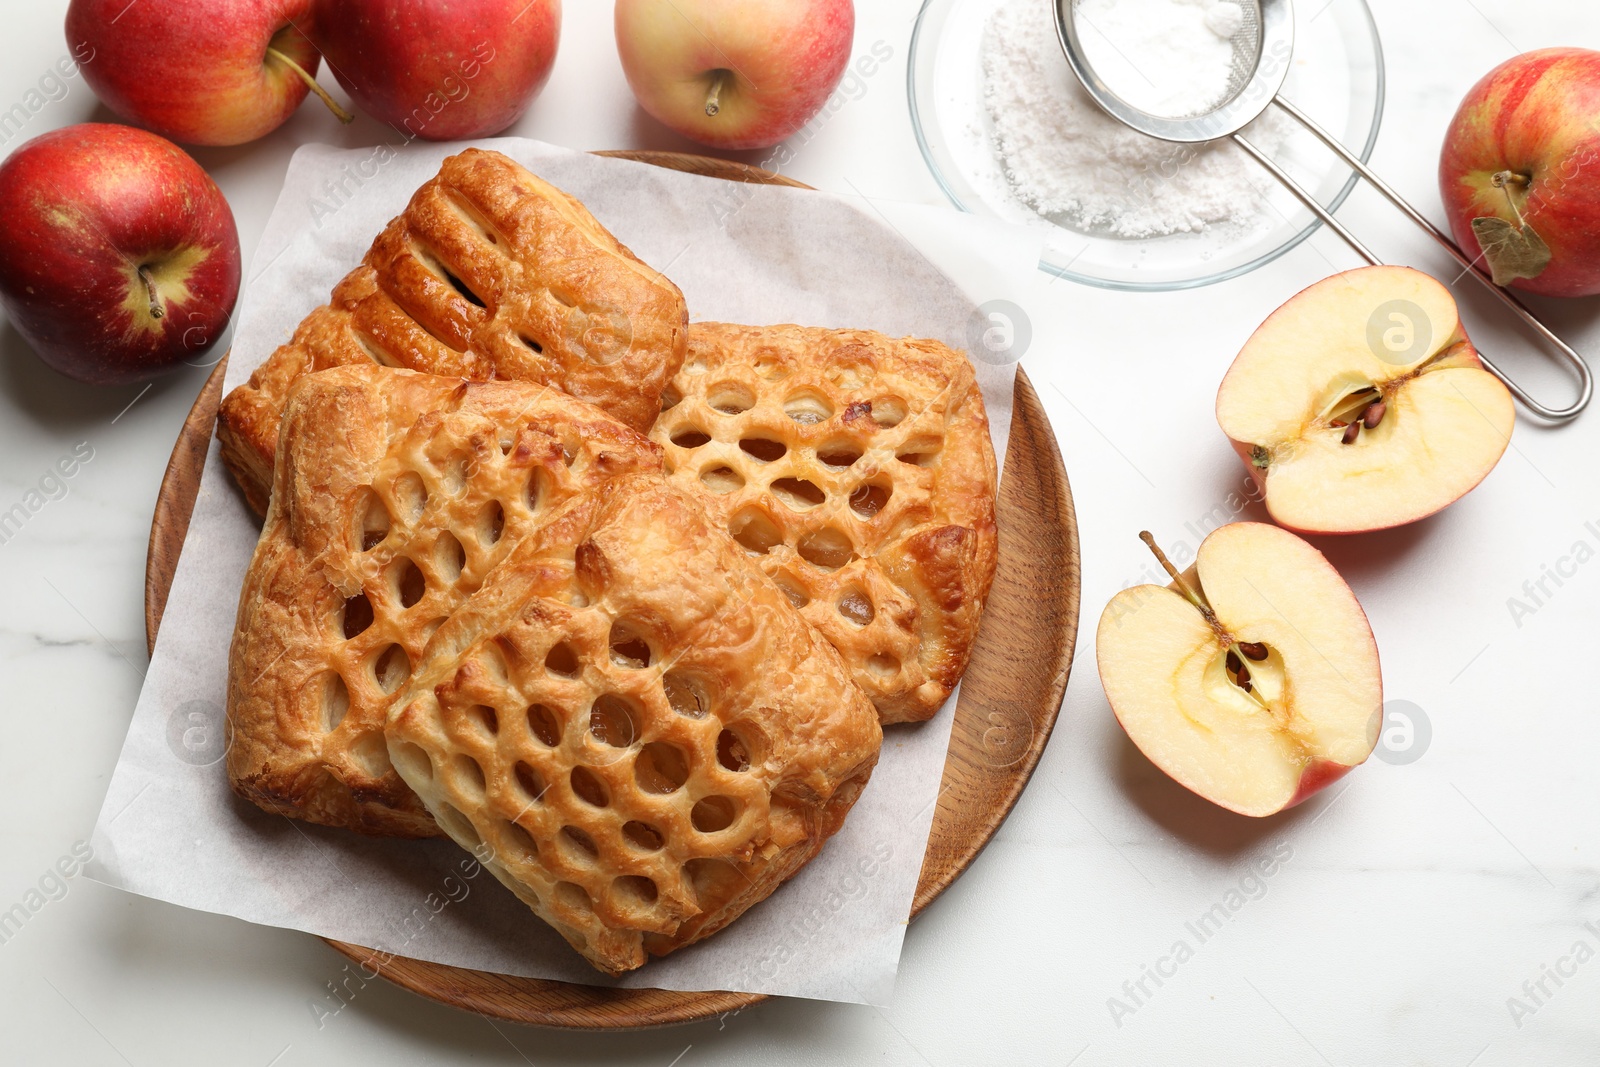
[
  {"x": 1246, "y": 48},
  {"x": 1246, "y": 42}
]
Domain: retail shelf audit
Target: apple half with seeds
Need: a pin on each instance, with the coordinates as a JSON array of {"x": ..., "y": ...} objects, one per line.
[
  {"x": 1361, "y": 404},
  {"x": 1253, "y": 678}
]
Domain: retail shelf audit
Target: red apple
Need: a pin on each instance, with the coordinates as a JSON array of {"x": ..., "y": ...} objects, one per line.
[
  {"x": 218, "y": 72},
  {"x": 734, "y": 74},
  {"x": 119, "y": 257},
  {"x": 441, "y": 71},
  {"x": 1253, "y": 678},
  {"x": 1520, "y": 174},
  {"x": 1361, "y": 404}
]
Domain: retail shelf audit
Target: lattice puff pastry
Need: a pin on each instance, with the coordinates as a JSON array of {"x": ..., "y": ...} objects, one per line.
[
  {"x": 489, "y": 273},
  {"x": 860, "y": 471},
  {"x": 640, "y": 728},
  {"x": 396, "y": 494}
]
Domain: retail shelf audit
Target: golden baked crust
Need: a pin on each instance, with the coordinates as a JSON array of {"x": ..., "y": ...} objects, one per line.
[
  {"x": 396, "y": 495},
  {"x": 489, "y": 273},
  {"x": 860, "y": 471},
  {"x": 632, "y": 728}
]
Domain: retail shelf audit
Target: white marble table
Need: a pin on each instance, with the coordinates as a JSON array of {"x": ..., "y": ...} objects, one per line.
[{"x": 1405, "y": 911}]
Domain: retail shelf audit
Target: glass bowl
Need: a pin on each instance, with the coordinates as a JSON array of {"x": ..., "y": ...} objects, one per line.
[{"x": 1337, "y": 78}]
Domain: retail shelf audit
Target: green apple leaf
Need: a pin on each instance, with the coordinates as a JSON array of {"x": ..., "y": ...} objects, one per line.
[{"x": 1512, "y": 251}]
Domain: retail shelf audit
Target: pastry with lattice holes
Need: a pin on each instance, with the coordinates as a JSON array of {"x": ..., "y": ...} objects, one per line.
[
  {"x": 489, "y": 273},
  {"x": 396, "y": 495},
  {"x": 635, "y": 726},
  {"x": 859, "y": 469}
]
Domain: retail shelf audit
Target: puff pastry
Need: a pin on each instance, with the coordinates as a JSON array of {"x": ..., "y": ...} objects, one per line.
[
  {"x": 489, "y": 273},
  {"x": 396, "y": 495},
  {"x": 632, "y": 727},
  {"x": 858, "y": 471}
]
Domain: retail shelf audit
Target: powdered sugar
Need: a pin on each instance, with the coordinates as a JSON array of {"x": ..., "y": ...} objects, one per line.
[
  {"x": 1073, "y": 164},
  {"x": 1161, "y": 56}
]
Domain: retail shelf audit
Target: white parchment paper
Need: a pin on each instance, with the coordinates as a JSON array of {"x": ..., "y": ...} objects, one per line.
[{"x": 171, "y": 828}]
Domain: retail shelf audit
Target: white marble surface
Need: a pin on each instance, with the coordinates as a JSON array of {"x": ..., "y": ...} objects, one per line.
[{"x": 1409, "y": 909}]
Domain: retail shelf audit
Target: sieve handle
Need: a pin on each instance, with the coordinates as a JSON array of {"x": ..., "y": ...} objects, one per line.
[
  {"x": 1517, "y": 307},
  {"x": 1308, "y": 200}
]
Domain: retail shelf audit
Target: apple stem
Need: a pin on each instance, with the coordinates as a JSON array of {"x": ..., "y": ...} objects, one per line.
[
  {"x": 1172, "y": 572},
  {"x": 714, "y": 97},
  {"x": 156, "y": 310},
  {"x": 333, "y": 105},
  {"x": 1505, "y": 180},
  {"x": 1205, "y": 609}
]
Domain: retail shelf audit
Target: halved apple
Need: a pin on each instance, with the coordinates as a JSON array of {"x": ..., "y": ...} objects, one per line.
[
  {"x": 1253, "y": 679},
  {"x": 1361, "y": 404}
]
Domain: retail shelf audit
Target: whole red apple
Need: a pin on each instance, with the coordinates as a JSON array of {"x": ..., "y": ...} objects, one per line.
[
  {"x": 734, "y": 74},
  {"x": 211, "y": 72},
  {"x": 1520, "y": 174},
  {"x": 442, "y": 70},
  {"x": 119, "y": 257}
]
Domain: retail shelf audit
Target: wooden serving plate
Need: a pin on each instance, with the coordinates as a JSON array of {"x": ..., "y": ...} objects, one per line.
[{"x": 1009, "y": 699}]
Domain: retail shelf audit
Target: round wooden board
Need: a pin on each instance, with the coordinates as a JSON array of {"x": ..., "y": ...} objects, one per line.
[{"x": 1009, "y": 699}]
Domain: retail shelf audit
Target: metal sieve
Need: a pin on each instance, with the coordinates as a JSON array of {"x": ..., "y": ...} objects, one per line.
[{"x": 1263, "y": 48}]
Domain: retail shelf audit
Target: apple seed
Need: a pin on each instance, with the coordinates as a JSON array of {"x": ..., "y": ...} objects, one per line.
[
  {"x": 1240, "y": 673},
  {"x": 1350, "y": 405},
  {"x": 1351, "y": 432},
  {"x": 1253, "y": 650},
  {"x": 1374, "y": 415}
]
